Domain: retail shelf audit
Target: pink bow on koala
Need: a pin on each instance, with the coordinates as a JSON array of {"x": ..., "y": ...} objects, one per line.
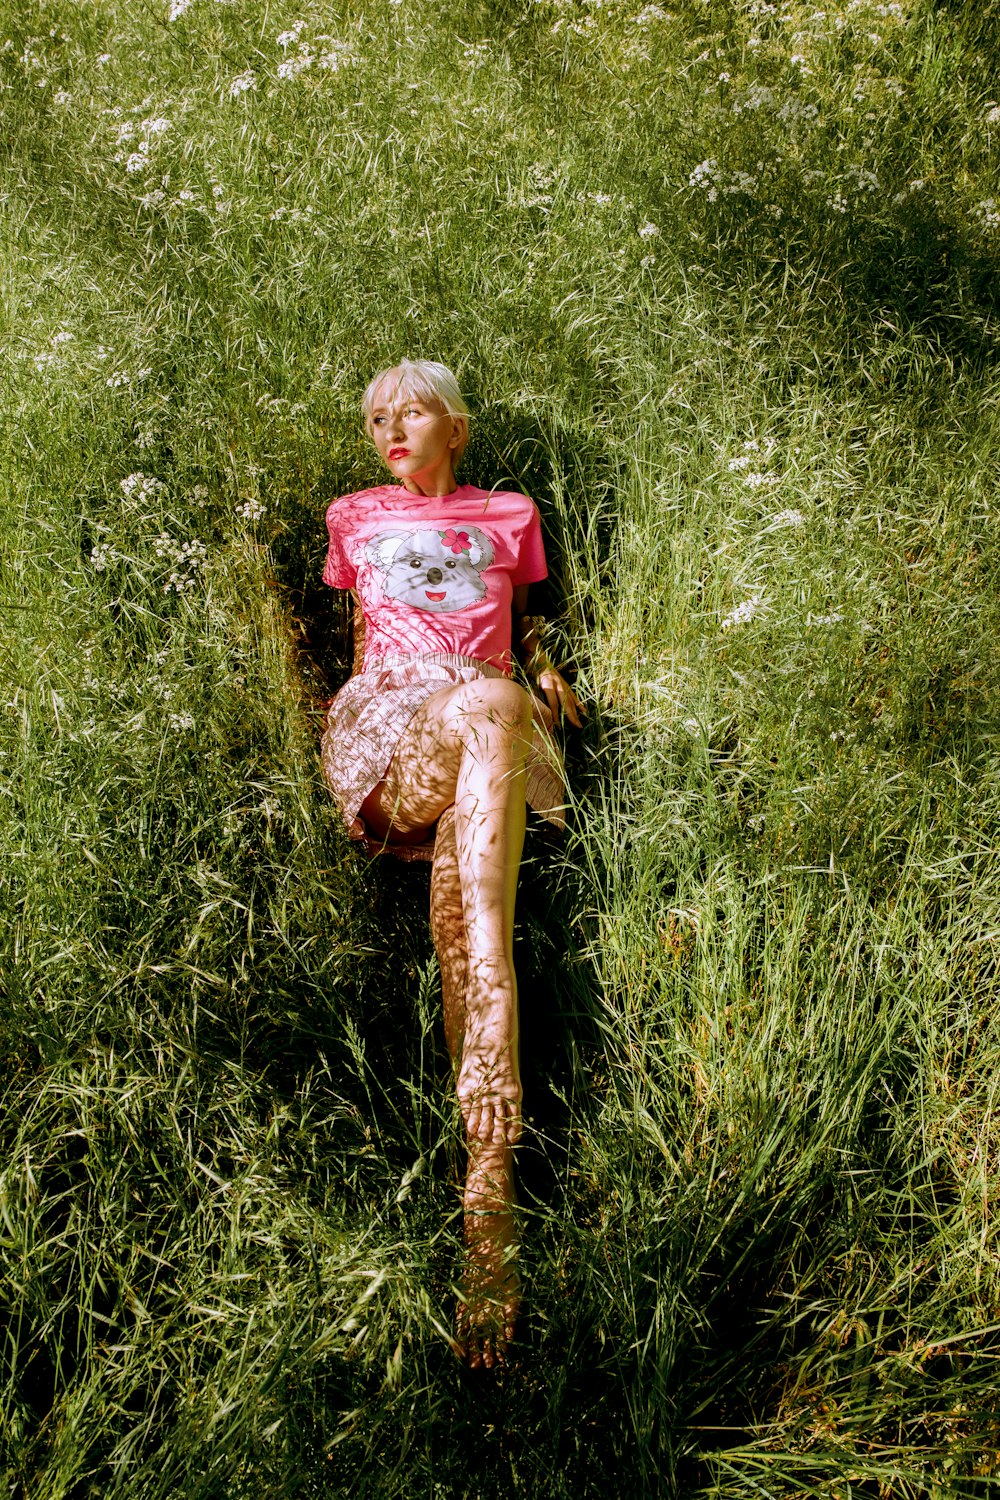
[{"x": 458, "y": 541}]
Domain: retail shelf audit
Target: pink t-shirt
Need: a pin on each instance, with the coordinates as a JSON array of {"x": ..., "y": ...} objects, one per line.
[{"x": 435, "y": 573}]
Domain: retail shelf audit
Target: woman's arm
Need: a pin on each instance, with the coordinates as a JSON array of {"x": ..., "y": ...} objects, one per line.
[
  {"x": 359, "y": 633},
  {"x": 528, "y": 633}
]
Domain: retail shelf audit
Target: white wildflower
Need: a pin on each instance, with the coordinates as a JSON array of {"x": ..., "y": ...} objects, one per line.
[
  {"x": 102, "y": 556},
  {"x": 137, "y": 162},
  {"x": 758, "y": 96},
  {"x": 242, "y": 83},
  {"x": 251, "y": 510},
  {"x": 336, "y": 56},
  {"x": 988, "y": 213},
  {"x": 703, "y": 177},
  {"x": 292, "y": 66},
  {"x": 180, "y": 722},
  {"x": 285, "y": 39},
  {"x": 122, "y": 377},
  {"x": 992, "y": 113},
  {"x": 177, "y": 9},
  {"x": 742, "y": 612},
  {"x": 647, "y": 261},
  {"x": 141, "y": 487},
  {"x": 795, "y": 112},
  {"x": 150, "y": 200},
  {"x": 647, "y": 231},
  {"x": 864, "y": 180},
  {"x": 838, "y": 203},
  {"x": 155, "y": 126},
  {"x": 62, "y": 96},
  {"x": 754, "y": 480},
  {"x": 833, "y": 619},
  {"x": 788, "y": 518},
  {"x": 63, "y": 337},
  {"x": 103, "y": 59}
]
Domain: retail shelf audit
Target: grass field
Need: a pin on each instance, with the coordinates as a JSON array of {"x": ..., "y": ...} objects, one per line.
[{"x": 721, "y": 283}]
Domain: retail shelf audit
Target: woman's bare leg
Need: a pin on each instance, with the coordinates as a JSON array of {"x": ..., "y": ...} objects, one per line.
[
  {"x": 491, "y": 1294},
  {"x": 448, "y": 932},
  {"x": 480, "y": 737}
]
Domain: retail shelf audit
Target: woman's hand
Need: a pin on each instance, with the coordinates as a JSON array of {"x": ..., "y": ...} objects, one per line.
[
  {"x": 557, "y": 692},
  {"x": 560, "y": 696}
]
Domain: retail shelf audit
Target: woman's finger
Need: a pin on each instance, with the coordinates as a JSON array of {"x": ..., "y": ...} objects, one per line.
[{"x": 573, "y": 708}]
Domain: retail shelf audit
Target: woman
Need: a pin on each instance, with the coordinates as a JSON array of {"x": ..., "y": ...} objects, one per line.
[{"x": 433, "y": 750}]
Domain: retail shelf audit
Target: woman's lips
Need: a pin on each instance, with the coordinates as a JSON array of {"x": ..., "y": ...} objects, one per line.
[{"x": 399, "y": 452}]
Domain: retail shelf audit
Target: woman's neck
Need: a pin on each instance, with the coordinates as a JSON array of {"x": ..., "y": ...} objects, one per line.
[{"x": 433, "y": 491}]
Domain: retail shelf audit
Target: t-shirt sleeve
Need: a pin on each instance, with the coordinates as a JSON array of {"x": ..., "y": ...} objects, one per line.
[
  {"x": 340, "y": 572},
  {"x": 531, "y": 566}
]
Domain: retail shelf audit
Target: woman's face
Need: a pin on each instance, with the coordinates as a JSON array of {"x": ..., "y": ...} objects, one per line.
[{"x": 415, "y": 438}]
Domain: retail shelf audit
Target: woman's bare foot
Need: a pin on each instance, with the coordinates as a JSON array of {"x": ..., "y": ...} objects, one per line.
[
  {"x": 491, "y": 1290},
  {"x": 489, "y": 1095}
]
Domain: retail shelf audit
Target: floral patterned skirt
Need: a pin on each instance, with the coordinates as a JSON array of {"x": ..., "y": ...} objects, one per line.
[{"x": 368, "y": 716}]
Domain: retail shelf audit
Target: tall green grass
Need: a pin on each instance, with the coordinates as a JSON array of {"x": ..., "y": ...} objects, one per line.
[{"x": 720, "y": 281}]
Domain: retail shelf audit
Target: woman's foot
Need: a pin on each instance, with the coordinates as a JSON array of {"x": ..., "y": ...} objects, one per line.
[
  {"x": 491, "y": 1288},
  {"x": 489, "y": 1096}
]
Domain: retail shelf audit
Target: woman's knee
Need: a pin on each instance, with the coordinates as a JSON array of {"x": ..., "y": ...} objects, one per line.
[{"x": 490, "y": 704}]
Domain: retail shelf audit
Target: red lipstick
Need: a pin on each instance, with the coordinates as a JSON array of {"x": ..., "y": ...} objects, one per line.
[{"x": 399, "y": 452}]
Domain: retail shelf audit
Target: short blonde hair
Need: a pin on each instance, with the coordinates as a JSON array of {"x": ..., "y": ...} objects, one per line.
[{"x": 426, "y": 380}]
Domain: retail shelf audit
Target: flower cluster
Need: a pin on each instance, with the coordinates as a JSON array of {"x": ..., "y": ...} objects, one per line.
[
  {"x": 743, "y": 612},
  {"x": 103, "y": 556},
  {"x": 123, "y": 377},
  {"x": 324, "y": 52},
  {"x": 135, "y": 140},
  {"x": 710, "y": 179},
  {"x": 251, "y": 510},
  {"x": 988, "y": 213},
  {"x": 140, "y": 487},
  {"x": 748, "y": 462},
  {"x": 188, "y": 558}
]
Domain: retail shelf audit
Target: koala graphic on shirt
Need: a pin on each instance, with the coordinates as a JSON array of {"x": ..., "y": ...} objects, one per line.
[{"x": 433, "y": 570}]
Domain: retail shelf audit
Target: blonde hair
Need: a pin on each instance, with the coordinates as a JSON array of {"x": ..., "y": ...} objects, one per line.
[{"x": 426, "y": 380}]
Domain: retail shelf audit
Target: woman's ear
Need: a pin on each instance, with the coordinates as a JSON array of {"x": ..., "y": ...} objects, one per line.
[{"x": 459, "y": 432}]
